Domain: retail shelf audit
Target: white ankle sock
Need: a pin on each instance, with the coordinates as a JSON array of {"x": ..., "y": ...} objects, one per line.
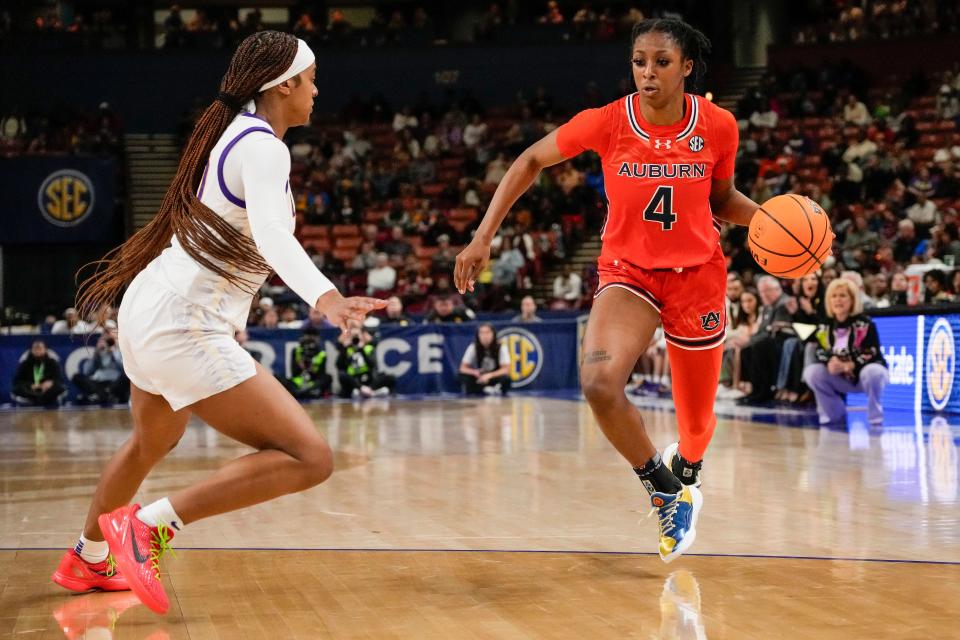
[
  {"x": 160, "y": 511},
  {"x": 93, "y": 551}
]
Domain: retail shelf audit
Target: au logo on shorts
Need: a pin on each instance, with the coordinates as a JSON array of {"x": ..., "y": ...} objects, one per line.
[
  {"x": 526, "y": 355},
  {"x": 710, "y": 321},
  {"x": 940, "y": 364},
  {"x": 66, "y": 197}
]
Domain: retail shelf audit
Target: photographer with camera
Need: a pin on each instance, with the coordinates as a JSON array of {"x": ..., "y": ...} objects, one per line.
[
  {"x": 849, "y": 357},
  {"x": 357, "y": 365},
  {"x": 101, "y": 379},
  {"x": 309, "y": 379}
]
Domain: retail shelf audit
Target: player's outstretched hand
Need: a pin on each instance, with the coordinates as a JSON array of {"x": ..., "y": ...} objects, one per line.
[
  {"x": 470, "y": 263},
  {"x": 346, "y": 313}
]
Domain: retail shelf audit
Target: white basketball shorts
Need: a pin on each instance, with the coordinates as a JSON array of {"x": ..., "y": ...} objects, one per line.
[{"x": 176, "y": 349}]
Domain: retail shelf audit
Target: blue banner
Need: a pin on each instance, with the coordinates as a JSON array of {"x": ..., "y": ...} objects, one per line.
[
  {"x": 57, "y": 199},
  {"x": 424, "y": 358},
  {"x": 921, "y": 354}
]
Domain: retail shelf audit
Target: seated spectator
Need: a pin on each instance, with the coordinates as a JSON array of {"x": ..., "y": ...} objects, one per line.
[
  {"x": 397, "y": 247},
  {"x": 102, "y": 380},
  {"x": 936, "y": 289},
  {"x": 923, "y": 213},
  {"x": 849, "y": 358},
  {"x": 271, "y": 319},
  {"x": 897, "y": 295},
  {"x": 71, "y": 323},
  {"x": 357, "y": 366},
  {"x": 38, "y": 380},
  {"x": 855, "y": 112},
  {"x": 528, "y": 311},
  {"x": 289, "y": 319},
  {"x": 475, "y": 132},
  {"x": 485, "y": 366},
  {"x": 394, "y": 313},
  {"x": 444, "y": 310},
  {"x": 567, "y": 289},
  {"x": 553, "y": 14},
  {"x": 445, "y": 257},
  {"x": 905, "y": 243},
  {"x": 382, "y": 277},
  {"x": 743, "y": 326},
  {"x": 507, "y": 265},
  {"x": 309, "y": 379},
  {"x": 366, "y": 258},
  {"x": 761, "y": 355}
]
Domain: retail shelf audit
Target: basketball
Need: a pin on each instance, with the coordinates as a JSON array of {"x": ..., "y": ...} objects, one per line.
[{"x": 790, "y": 236}]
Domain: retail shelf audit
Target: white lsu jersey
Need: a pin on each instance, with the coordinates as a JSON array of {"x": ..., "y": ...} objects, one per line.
[{"x": 246, "y": 182}]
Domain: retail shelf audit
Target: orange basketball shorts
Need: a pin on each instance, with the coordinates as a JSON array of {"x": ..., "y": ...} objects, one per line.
[{"x": 690, "y": 301}]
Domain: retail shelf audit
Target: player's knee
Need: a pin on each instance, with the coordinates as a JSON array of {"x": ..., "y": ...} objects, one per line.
[
  {"x": 317, "y": 464},
  {"x": 600, "y": 388}
]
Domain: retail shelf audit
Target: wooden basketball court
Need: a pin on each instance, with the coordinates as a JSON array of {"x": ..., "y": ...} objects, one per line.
[{"x": 507, "y": 518}]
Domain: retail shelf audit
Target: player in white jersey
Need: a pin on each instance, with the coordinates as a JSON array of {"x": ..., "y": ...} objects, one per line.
[{"x": 227, "y": 220}]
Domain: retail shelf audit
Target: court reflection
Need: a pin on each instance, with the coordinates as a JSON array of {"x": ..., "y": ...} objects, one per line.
[
  {"x": 95, "y": 616},
  {"x": 680, "y": 616}
]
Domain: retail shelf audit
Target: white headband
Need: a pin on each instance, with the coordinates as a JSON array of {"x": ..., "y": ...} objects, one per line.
[{"x": 301, "y": 62}]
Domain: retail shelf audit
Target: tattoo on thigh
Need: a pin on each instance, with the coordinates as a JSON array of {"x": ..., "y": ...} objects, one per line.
[{"x": 596, "y": 356}]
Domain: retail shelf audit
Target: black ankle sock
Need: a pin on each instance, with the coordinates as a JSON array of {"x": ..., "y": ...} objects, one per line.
[
  {"x": 657, "y": 477},
  {"x": 685, "y": 470}
]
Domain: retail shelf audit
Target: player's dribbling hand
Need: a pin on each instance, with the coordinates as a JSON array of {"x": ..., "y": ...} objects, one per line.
[
  {"x": 470, "y": 263},
  {"x": 346, "y": 313}
]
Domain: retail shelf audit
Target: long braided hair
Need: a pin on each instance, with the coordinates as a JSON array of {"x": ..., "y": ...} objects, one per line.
[
  {"x": 204, "y": 235},
  {"x": 693, "y": 44}
]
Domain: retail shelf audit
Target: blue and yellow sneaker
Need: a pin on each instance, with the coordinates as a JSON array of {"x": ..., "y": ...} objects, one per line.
[{"x": 677, "y": 513}]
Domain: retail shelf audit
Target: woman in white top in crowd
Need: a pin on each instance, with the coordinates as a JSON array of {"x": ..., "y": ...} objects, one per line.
[{"x": 226, "y": 222}]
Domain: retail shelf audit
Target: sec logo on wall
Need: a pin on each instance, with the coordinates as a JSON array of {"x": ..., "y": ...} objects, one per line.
[
  {"x": 526, "y": 355},
  {"x": 940, "y": 364},
  {"x": 66, "y": 197}
]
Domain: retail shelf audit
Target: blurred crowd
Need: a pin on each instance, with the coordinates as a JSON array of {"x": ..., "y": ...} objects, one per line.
[
  {"x": 857, "y": 20},
  {"x": 60, "y": 131}
]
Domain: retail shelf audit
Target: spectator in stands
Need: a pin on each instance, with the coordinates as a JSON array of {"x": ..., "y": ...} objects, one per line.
[
  {"x": 905, "y": 242},
  {"x": 397, "y": 247},
  {"x": 444, "y": 310},
  {"x": 567, "y": 289},
  {"x": 496, "y": 169},
  {"x": 897, "y": 295},
  {"x": 921, "y": 184},
  {"x": 734, "y": 290},
  {"x": 316, "y": 320},
  {"x": 475, "y": 133},
  {"x": 357, "y": 366},
  {"x": 289, "y": 319},
  {"x": 271, "y": 319},
  {"x": 553, "y": 14},
  {"x": 304, "y": 27},
  {"x": 507, "y": 265},
  {"x": 745, "y": 324},
  {"x": 173, "y": 28},
  {"x": 38, "y": 380},
  {"x": 308, "y": 379},
  {"x": 404, "y": 119},
  {"x": 761, "y": 355},
  {"x": 859, "y": 238},
  {"x": 366, "y": 258},
  {"x": 810, "y": 305},
  {"x": 394, "y": 313},
  {"x": 528, "y": 311},
  {"x": 101, "y": 379},
  {"x": 923, "y": 213},
  {"x": 71, "y": 323},
  {"x": 855, "y": 112},
  {"x": 485, "y": 366},
  {"x": 849, "y": 357},
  {"x": 936, "y": 289},
  {"x": 445, "y": 256},
  {"x": 764, "y": 116},
  {"x": 382, "y": 277}
]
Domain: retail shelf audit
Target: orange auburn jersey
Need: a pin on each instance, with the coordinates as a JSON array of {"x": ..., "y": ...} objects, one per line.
[{"x": 657, "y": 178}]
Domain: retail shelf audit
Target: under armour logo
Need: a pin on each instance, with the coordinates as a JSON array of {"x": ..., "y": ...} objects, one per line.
[
  {"x": 710, "y": 321},
  {"x": 658, "y": 143}
]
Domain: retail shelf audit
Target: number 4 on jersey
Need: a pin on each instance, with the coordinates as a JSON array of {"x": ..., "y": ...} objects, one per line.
[{"x": 660, "y": 208}]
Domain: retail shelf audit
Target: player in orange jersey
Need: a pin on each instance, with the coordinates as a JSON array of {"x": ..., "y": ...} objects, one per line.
[{"x": 668, "y": 159}]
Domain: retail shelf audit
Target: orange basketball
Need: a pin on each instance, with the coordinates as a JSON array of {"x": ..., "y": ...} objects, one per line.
[{"x": 790, "y": 236}]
